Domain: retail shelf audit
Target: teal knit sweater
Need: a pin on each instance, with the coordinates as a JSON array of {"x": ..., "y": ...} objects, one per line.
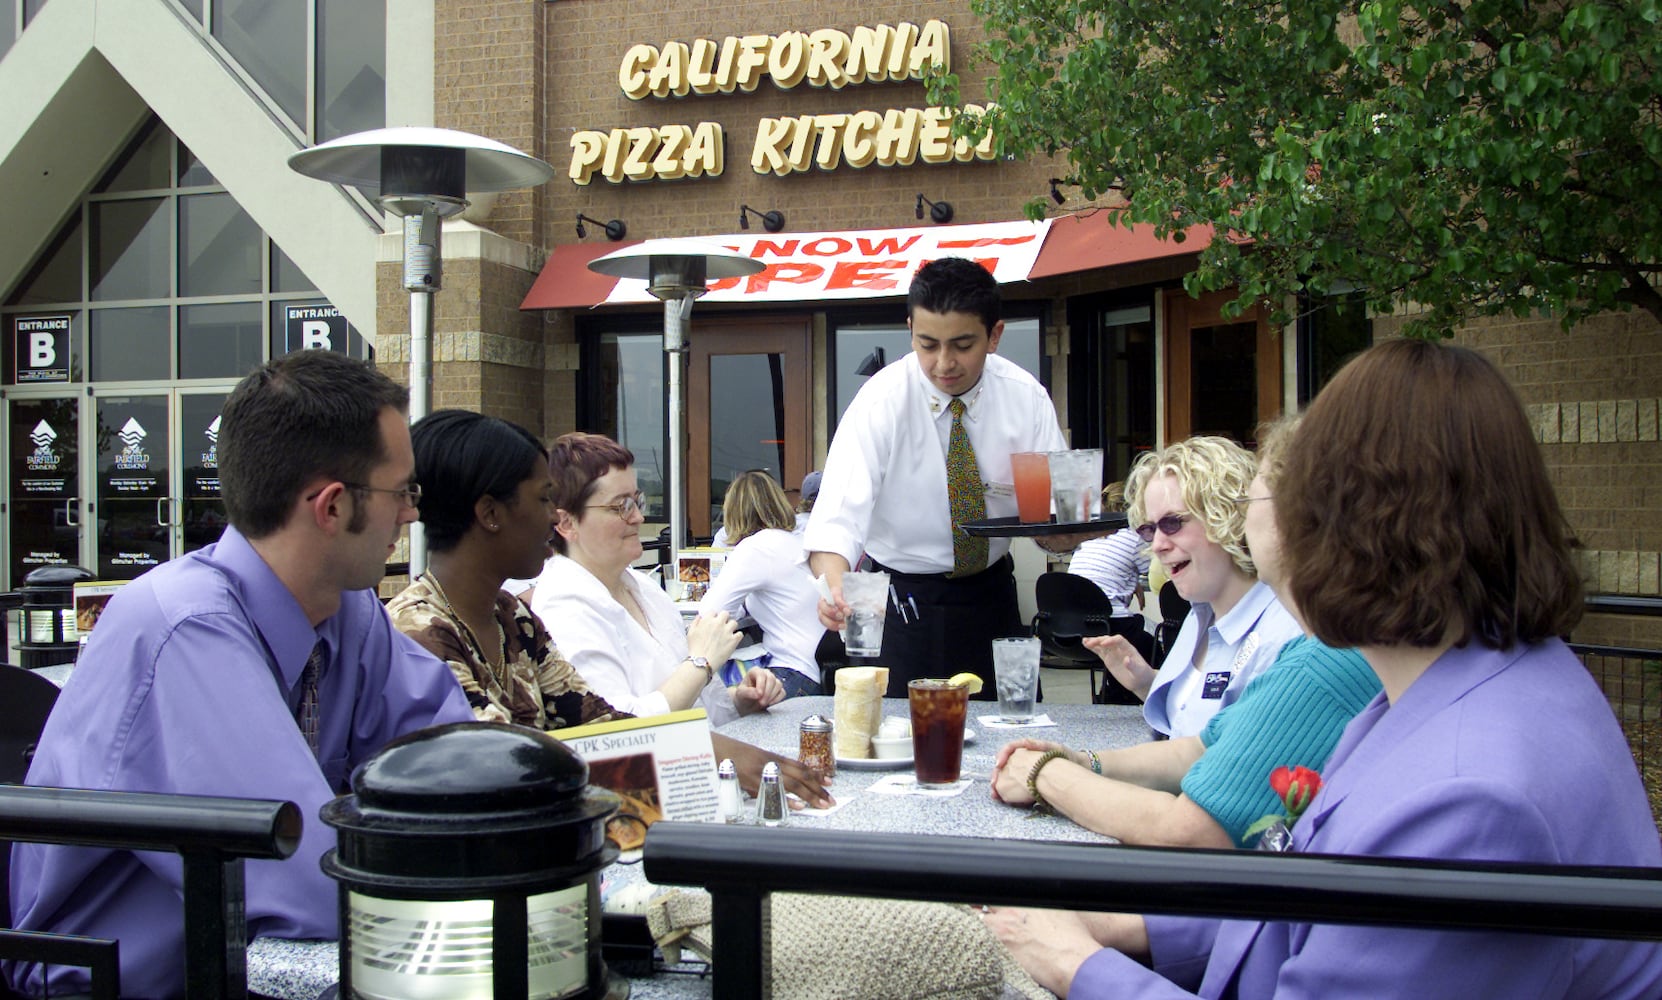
[{"x": 1293, "y": 714}]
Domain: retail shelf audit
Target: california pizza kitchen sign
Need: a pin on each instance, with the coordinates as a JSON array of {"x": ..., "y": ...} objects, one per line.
[{"x": 824, "y": 58}]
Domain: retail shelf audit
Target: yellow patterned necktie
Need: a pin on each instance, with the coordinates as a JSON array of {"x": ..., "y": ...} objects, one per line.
[{"x": 966, "y": 496}]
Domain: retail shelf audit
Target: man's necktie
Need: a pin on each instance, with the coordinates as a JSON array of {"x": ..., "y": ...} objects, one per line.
[
  {"x": 308, "y": 714},
  {"x": 966, "y": 496}
]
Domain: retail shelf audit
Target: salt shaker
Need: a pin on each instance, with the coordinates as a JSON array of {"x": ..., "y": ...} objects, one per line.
[
  {"x": 815, "y": 752},
  {"x": 730, "y": 800},
  {"x": 770, "y": 801}
]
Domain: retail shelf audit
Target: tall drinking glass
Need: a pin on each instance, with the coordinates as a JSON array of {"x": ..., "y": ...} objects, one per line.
[
  {"x": 867, "y": 596},
  {"x": 1030, "y": 471},
  {"x": 1016, "y": 669},
  {"x": 1072, "y": 486},
  {"x": 938, "y": 711}
]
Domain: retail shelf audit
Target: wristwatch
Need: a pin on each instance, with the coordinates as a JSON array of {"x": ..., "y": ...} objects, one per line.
[{"x": 703, "y": 663}]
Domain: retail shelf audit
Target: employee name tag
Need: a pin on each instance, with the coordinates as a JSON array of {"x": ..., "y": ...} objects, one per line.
[{"x": 1216, "y": 682}]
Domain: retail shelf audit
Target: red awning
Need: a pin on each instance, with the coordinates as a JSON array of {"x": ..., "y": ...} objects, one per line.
[
  {"x": 814, "y": 267},
  {"x": 1089, "y": 241}
]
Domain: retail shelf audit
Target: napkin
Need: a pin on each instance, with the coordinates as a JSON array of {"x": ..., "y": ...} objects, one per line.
[
  {"x": 995, "y": 722},
  {"x": 907, "y": 784},
  {"x": 842, "y": 800}
]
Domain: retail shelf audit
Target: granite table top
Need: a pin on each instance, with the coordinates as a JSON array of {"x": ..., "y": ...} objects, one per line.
[{"x": 301, "y": 970}]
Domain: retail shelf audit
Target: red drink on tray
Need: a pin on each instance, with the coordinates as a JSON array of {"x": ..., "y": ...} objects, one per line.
[
  {"x": 938, "y": 710},
  {"x": 1030, "y": 470}
]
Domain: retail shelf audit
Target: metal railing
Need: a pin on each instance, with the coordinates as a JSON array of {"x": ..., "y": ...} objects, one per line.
[
  {"x": 212, "y": 836},
  {"x": 736, "y": 863},
  {"x": 1631, "y": 678}
]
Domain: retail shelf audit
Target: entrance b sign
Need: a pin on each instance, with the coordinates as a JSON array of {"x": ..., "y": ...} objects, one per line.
[
  {"x": 41, "y": 349},
  {"x": 311, "y": 328}
]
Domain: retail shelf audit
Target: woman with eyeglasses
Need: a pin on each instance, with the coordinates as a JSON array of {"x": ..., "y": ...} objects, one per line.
[
  {"x": 1418, "y": 524},
  {"x": 490, "y": 515},
  {"x": 767, "y": 575},
  {"x": 618, "y": 628},
  {"x": 1183, "y": 503},
  {"x": 1208, "y": 790}
]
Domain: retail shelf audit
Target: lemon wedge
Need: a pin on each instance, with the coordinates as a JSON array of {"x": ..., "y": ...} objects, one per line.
[{"x": 966, "y": 680}]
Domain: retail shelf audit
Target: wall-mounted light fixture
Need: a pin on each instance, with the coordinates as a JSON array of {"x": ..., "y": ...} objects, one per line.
[
  {"x": 771, "y": 221},
  {"x": 615, "y": 229},
  {"x": 1055, "y": 195},
  {"x": 939, "y": 211}
]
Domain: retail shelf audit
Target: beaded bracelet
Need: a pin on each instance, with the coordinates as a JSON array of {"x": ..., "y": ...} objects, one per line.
[
  {"x": 1039, "y": 802},
  {"x": 1096, "y": 762}
]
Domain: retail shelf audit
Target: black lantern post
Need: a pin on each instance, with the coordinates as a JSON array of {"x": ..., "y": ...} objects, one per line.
[{"x": 469, "y": 860}]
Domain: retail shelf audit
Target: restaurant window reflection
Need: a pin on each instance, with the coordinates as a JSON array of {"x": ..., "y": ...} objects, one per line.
[
  {"x": 621, "y": 394},
  {"x": 1330, "y": 333},
  {"x": 1111, "y": 378},
  {"x": 856, "y": 341}
]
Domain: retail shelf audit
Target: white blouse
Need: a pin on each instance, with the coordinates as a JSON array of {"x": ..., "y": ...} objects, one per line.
[
  {"x": 767, "y": 576},
  {"x": 622, "y": 662}
]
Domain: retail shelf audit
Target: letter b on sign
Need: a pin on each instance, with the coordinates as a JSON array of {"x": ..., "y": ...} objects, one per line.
[
  {"x": 43, "y": 352},
  {"x": 314, "y": 335}
]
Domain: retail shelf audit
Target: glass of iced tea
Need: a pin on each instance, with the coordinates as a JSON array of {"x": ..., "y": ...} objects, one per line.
[{"x": 938, "y": 709}]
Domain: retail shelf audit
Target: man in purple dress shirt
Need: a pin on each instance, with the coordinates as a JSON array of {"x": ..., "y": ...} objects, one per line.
[{"x": 193, "y": 682}]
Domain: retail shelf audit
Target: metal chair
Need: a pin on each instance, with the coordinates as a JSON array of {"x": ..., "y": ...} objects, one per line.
[{"x": 1173, "y": 609}]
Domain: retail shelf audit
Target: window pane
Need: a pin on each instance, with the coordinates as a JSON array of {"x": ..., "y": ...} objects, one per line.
[
  {"x": 1334, "y": 331},
  {"x": 8, "y": 25},
  {"x": 130, "y": 344},
  {"x": 628, "y": 404},
  {"x": 195, "y": 8},
  {"x": 219, "y": 247},
  {"x": 57, "y": 278},
  {"x": 146, "y": 167},
  {"x": 286, "y": 275},
  {"x": 1223, "y": 381},
  {"x": 219, "y": 341},
  {"x": 268, "y": 38},
  {"x": 191, "y": 171},
  {"x": 30, "y": 9},
  {"x": 130, "y": 249},
  {"x": 747, "y": 420},
  {"x": 351, "y": 67},
  {"x": 859, "y": 346}
]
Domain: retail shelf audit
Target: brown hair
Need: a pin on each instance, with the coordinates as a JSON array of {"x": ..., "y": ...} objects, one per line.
[
  {"x": 1414, "y": 504},
  {"x": 755, "y": 501},
  {"x": 575, "y": 462},
  {"x": 1273, "y": 438}
]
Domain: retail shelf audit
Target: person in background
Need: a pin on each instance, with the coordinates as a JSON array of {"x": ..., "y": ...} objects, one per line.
[
  {"x": 618, "y": 628},
  {"x": 910, "y": 465},
  {"x": 490, "y": 513},
  {"x": 1183, "y": 504},
  {"x": 1208, "y": 790},
  {"x": 1419, "y": 524},
  {"x": 804, "y": 506},
  {"x": 261, "y": 666},
  {"x": 767, "y": 576},
  {"x": 1118, "y": 565}
]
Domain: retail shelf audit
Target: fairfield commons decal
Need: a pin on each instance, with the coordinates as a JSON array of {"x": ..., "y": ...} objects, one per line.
[{"x": 826, "y": 58}]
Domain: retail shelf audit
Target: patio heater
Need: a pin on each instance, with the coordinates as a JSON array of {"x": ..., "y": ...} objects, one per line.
[
  {"x": 423, "y": 176},
  {"x": 676, "y": 272},
  {"x": 469, "y": 859}
]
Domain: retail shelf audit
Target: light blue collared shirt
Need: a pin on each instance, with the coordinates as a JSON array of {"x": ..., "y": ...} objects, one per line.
[{"x": 1239, "y": 646}]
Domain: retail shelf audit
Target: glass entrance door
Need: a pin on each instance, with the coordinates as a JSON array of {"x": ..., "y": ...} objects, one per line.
[
  {"x": 1223, "y": 376},
  {"x": 47, "y": 508},
  {"x": 135, "y": 510}
]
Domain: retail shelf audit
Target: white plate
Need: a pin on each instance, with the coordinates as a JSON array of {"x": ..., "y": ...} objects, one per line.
[{"x": 888, "y": 763}]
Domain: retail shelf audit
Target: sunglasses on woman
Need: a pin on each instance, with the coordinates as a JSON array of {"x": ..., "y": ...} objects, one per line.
[{"x": 1171, "y": 524}]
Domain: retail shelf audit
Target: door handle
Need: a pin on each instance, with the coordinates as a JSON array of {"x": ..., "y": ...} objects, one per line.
[
  {"x": 71, "y": 508},
  {"x": 163, "y": 518}
]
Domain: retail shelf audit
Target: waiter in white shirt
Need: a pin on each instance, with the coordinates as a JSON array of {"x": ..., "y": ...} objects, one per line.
[{"x": 912, "y": 459}]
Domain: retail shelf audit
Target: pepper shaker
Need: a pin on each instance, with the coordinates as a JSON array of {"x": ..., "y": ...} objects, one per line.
[
  {"x": 730, "y": 800},
  {"x": 770, "y": 802},
  {"x": 816, "y": 748}
]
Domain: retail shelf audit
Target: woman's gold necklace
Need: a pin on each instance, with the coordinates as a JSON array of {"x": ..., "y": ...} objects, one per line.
[{"x": 500, "y": 673}]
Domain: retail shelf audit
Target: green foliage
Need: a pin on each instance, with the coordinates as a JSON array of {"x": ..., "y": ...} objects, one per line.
[{"x": 1504, "y": 156}]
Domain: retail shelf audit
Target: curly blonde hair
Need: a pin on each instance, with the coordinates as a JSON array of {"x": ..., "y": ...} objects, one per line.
[
  {"x": 1211, "y": 472},
  {"x": 754, "y": 501}
]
